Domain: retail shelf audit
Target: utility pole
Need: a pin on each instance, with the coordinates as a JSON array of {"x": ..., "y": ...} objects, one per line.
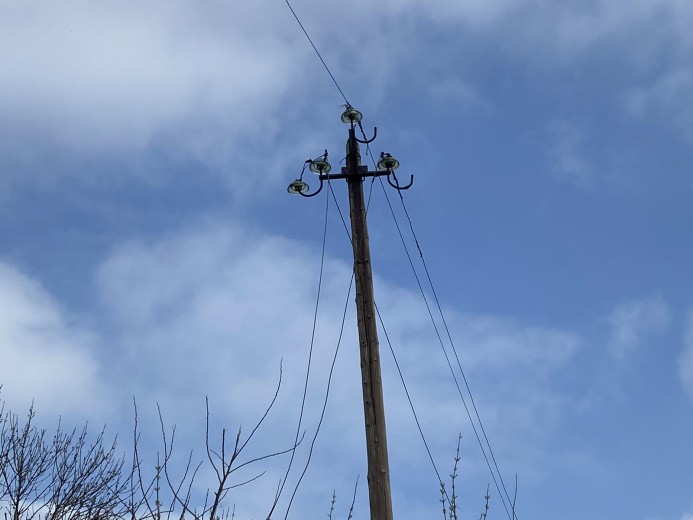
[{"x": 373, "y": 404}]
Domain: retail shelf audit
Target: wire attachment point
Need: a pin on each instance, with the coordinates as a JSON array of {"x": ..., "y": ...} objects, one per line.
[{"x": 396, "y": 185}]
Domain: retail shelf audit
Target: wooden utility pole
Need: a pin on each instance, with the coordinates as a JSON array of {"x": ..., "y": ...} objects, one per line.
[{"x": 373, "y": 405}]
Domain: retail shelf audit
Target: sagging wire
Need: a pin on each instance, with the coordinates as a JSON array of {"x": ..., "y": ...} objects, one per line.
[
  {"x": 327, "y": 394},
  {"x": 310, "y": 357},
  {"x": 334, "y": 80},
  {"x": 447, "y": 358},
  {"x": 452, "y": 344},
  {"x": 334, "y": 358},
  {"x": 411, "y": 403},
  {"x": 399, "y": 370}
]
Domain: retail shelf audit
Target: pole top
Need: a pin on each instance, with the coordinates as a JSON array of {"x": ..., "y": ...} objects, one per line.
[{"x": 320, "y": 166}]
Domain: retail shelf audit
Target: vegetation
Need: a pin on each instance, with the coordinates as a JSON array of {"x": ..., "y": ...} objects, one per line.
[
  {"x": 449, "y": 501},
  {"x": 71, "y": 475}
]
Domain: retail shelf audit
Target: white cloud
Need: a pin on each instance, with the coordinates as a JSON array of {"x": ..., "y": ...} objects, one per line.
[
  {"x": 632, "y": 321},
  {"x": 114, "y": 76},
  {"x": 449, "y": 92},
  {"x": 559, "y": 30},
  {"x": 668, "y": 98},
  {"x": 565, "y": 154},
  {"x": 46, "y": 356},
  {"x": 686, "y": 359},
  {"x": 200, "y": 83},
  {"x": 86, "y": 79},
  {"x": 212, "y": 309}
]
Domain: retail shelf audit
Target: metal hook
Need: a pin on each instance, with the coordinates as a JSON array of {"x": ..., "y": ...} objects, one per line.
[
  {"x": 314, "y": 193},
  {"x": 396, "y": 184},
  {"x": 367, "y": 141}
]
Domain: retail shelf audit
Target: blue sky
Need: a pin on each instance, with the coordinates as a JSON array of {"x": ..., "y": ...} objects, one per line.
[{"x": 149, "y": 248}]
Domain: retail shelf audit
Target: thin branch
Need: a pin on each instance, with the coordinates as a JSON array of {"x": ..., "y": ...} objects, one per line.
[{"x": 353, "y": 500}]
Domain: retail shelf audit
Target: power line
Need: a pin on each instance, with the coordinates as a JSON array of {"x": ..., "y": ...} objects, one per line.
[
  {"x": 452, "y": 344},
  {"x": 334, "y": 358},
  {"x": 394, "y": 356},
  {"x": 339, "y": 209},
  {"x": 327, "y": 395},
  {"x": 318, "y": 53},
  {"x": 310, "y": 357},
  {"x": 305, "y": 32},
  {"x": 411, "y": 404},
  {"x": 447, "y": 358}
]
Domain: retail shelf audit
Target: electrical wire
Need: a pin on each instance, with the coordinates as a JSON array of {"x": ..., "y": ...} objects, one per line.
[
  {"x": 399, "y": 370},
  {"x": 339, "y": 209},
  {"x": 447, "y": 358},
  {"x": 334, "y": 80},
  {"x": 411, "y": 403},
  {"x": 452, "y": 344},
  {"x": 327, "y": 395},
  {"x": 310, "y": 357},
  {"x": 318, "y": 53},
  {"x": 334, "y": 358}
]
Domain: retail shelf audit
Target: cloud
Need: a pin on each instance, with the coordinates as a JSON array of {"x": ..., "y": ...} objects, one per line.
[
  {"x": 108, "y": 74},
  {"x": 632, "y": 321},
  {"x": 563, "y": 30},
  {"x": 84, "y": 80},
  {"x": 565, "y": 154},
  {"x": 668, "y": 98},
  {"x": 47, "y": 356},
  {"x": 686, "y": 359},
  {"x": 124, "y": 76},
  {"x": 97, "y": 92},
  {"x": 212, "y": 309},
  {"x": 216, "y": 296},
  {"x": 449, "y": 92}
]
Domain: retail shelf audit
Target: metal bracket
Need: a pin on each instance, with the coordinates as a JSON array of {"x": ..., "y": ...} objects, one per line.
[
  {"x": 367, "y": 141},
  {"x": 396, "y": 184},
  {"x": 315, "y": 192}
]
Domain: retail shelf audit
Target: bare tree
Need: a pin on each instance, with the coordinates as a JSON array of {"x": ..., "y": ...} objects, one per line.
[
  {"x": 450, "y": 505},
  {"x": 69, "y": 475},
  {"x": 168, "y": 491},
  {"x": 62, "y": 477}
]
